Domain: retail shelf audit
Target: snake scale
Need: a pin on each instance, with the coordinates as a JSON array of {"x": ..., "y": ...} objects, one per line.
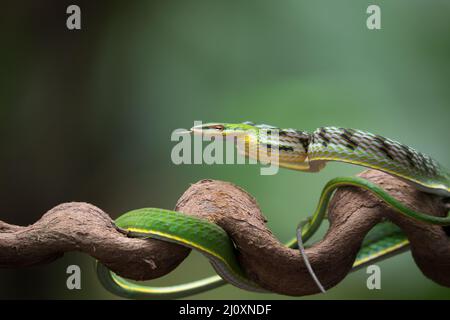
[{"x": 296, "y": 150}]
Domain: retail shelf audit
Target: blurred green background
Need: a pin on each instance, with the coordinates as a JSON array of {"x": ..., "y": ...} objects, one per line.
[{"x": 87, "y": 115}]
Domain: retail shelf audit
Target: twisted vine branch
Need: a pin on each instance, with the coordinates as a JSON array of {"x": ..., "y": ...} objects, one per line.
[{"x": 352, "y": 213}]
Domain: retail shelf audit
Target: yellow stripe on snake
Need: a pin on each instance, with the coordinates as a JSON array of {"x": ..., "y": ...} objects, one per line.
[{"x": 296, "y": 150}]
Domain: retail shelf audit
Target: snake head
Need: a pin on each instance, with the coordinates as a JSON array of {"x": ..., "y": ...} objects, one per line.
[{"x": 225, "y": 129}]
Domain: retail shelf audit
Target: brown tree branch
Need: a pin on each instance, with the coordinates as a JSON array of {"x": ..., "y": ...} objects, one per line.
[{"x": 352, "y": 213}]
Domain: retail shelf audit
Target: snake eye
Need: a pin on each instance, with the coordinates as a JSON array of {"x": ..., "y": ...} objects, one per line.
[{"x": 217, "y": 127}]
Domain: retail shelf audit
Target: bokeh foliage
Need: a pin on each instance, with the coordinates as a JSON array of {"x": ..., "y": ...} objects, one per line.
[{"x": 87, "y": 115}]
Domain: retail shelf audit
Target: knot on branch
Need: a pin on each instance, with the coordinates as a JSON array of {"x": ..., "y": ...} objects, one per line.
[{"x": 352, "y": 213}]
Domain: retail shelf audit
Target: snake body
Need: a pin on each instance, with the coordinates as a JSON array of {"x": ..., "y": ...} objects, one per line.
[{"x": 297, "y": 150}]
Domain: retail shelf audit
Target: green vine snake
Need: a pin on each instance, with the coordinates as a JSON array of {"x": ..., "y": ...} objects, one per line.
[{"x": 296, "y": 150}]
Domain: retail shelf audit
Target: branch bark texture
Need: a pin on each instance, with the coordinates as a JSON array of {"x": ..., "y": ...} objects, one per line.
[{"x": 352, "y": 213}]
